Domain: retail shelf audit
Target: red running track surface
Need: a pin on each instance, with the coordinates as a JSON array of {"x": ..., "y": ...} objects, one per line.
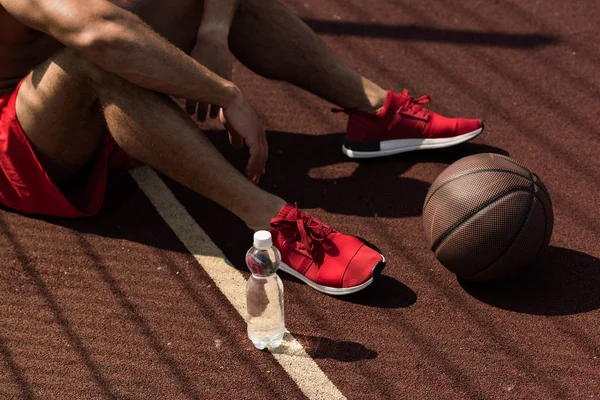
[{"x": 115, "y": 307}]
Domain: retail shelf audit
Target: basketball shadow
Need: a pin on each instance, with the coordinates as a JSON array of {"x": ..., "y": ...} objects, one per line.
[{"x": 565, "y": 282}]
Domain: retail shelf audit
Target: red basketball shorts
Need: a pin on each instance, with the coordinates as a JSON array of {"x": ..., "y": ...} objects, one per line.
[{"x": 24, "y": 184}]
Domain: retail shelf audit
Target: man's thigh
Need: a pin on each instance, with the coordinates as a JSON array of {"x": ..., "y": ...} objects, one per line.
[{"x": 61, "y": 118}]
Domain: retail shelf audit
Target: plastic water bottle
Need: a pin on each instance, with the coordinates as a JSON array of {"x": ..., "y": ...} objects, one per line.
[{"x": 264, "y": 293}]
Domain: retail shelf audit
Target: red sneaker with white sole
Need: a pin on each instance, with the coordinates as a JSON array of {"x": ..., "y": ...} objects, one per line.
[
  {"x": 403, "y": 125},
  {"x": 329, "y": 261}
]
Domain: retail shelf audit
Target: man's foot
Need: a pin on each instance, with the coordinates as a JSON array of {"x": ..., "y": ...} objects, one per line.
[
  {"x": 402, "y": 125},
  {"x": 329, "y": 261}
]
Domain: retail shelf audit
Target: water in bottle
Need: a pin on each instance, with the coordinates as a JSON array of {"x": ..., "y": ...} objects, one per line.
[{"x": 264, "y": 293}]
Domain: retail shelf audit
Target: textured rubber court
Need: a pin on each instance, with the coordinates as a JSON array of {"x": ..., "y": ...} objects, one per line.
[{"x": 140, "y": 302}]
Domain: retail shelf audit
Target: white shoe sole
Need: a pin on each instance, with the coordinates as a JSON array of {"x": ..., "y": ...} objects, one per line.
[
  {"x": 331, "y": 290},
  {"x": 389, "y": 147}
]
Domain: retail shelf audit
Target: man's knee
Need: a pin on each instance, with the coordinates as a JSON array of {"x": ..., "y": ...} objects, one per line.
[
  {"x": 62, "y": 79},
  {"x": 78, "y": 67}
]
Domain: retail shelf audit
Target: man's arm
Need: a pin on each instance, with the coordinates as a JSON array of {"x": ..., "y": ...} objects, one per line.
[
  {"x": 212, "y": 50},
  {"x": 121, "y": 43},
  {"x": 217, "y": 18}
]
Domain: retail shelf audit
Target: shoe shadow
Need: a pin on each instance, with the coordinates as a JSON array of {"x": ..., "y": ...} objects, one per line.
[
  {"x": 384, "y": 292},
  {"x": 320, "y": 347},
  {"x": 565, "y": 282}
]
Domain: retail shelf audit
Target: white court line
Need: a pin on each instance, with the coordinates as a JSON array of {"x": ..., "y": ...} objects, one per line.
[{"x": 311, "y": 380}]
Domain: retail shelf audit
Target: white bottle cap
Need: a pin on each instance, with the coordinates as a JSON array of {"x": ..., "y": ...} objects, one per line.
[{"x": 263, "y": 240}]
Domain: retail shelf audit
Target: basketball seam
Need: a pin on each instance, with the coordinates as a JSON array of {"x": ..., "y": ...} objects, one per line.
[
  {"x": 514, "y": 239},
  {"x": 545, "y": 224},
  {"x": 517, "y": 164},
  {"x": 449, "y": 231},
  {"x": 533, "y": 176},
  {"x": 470, "y": 173}
]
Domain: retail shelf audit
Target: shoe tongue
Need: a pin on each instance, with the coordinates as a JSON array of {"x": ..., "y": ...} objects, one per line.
[
  {"x": 393, "y": 101},
  {"x": 400, "y": 99},
  {"x": 287, "y": 212}
]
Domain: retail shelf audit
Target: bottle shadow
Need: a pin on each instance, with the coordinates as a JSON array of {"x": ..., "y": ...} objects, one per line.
[
  {"x": 564, "y": 282},
  {"x": 318, "y": 347}
]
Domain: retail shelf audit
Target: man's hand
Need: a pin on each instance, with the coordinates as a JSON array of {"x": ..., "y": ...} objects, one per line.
[
  {"x": 214, "y": 54},
  {"x": 244, "y": 126}
]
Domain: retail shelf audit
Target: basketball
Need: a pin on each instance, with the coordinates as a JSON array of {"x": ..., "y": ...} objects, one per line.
[{"x": 487, "y": 218}]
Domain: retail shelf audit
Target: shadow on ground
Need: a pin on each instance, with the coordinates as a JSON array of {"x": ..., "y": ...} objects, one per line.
[
  {"x": 418, "y": 33},
  {"x": 319, "y": 347},
  {"x": 307, "y": 169},
  {"x": 312, "y": 171},
  {"x": 384, "y": 292},
  {"x": 565, "y": 282}
]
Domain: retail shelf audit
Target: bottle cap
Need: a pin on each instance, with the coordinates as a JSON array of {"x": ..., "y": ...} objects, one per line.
[{"x": 263, "y": 240}]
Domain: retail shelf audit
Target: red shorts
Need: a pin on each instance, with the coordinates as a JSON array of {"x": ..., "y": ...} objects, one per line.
[{"x": 24, "y": 184}]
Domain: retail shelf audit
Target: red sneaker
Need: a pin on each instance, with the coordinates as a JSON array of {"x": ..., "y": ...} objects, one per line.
[
  {"x": 329, "y": 261},
  {"x": 404, "y": 125}
]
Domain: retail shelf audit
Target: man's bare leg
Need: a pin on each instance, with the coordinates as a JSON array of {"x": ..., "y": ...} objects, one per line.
[
  {"x": 273, "y": 42},
  {"x": 148, "y": 126},
  {"x": 62, "y": 120}
]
